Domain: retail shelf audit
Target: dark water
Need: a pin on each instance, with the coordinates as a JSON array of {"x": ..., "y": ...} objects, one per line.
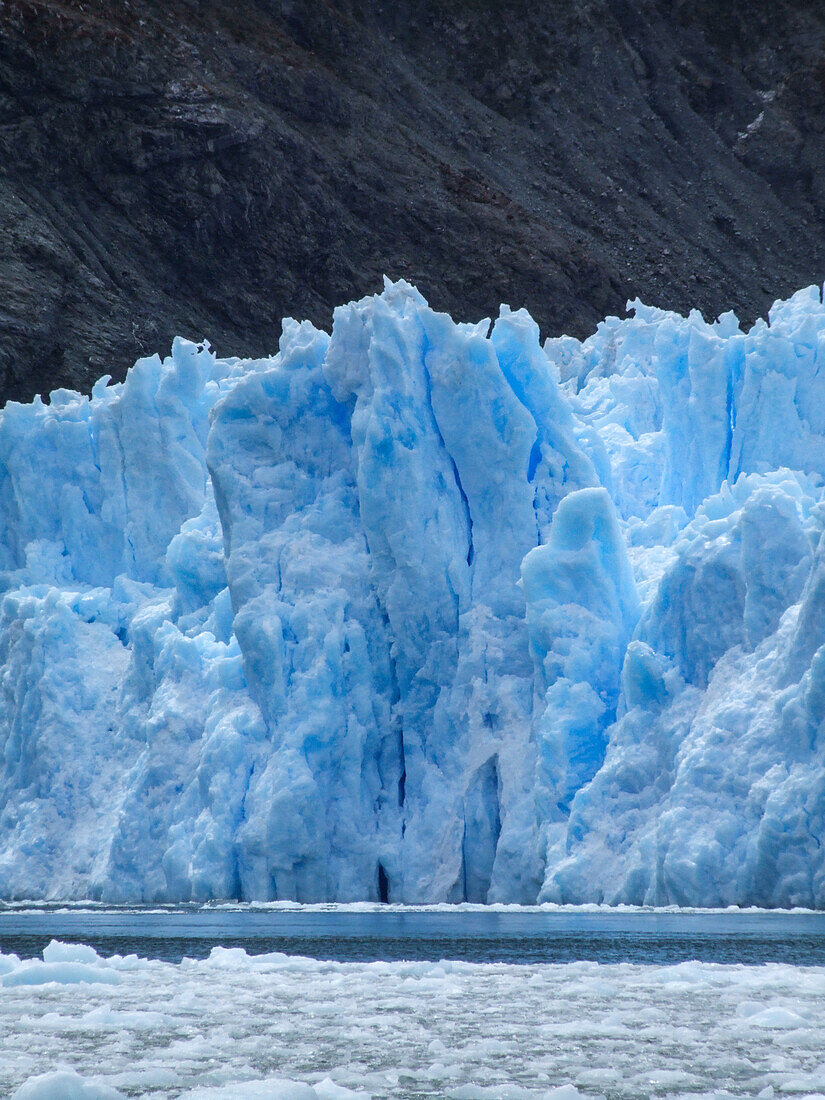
[{"x": 514, "y": 936}]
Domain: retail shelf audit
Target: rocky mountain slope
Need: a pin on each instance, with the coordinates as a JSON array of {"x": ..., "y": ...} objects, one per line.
[{"x": 169, "y": 166}]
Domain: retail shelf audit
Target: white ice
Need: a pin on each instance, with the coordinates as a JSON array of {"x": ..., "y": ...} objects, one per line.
[{"x": 274, "y": 1026}]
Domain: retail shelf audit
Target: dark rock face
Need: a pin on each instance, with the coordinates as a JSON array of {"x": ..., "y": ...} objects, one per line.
[{"x": 204, "y": 168}]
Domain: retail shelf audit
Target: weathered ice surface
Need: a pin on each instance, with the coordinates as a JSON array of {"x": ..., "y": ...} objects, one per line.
[{"x": 422, "y": 611}]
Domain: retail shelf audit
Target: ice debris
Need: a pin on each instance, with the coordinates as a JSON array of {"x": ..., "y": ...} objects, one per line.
[
  {"x": 281, "y": 1027},
  {"x": 422, "y": 611}
]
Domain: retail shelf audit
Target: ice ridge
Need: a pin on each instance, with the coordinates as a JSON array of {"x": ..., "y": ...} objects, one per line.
[{"x": 422, "y": 611}]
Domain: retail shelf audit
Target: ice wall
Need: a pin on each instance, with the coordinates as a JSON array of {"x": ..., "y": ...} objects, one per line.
[{"x": 421, "y": 611}]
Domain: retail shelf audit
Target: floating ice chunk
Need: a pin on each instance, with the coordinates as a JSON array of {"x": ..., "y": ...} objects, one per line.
[
  {"x": 328, "y": 1090},
  {"x": 66, "y": 972},
  {"x": 776, "y": 1018},
  {"x": 65, "y": 1085},
  {"x": 8, "y": 963},
  {"x": 58, "y": 952},
  {"x": 276, "y": 1088}
]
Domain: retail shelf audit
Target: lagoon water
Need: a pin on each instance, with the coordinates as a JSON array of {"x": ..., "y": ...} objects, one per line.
[{"x": 367, "y": 933}]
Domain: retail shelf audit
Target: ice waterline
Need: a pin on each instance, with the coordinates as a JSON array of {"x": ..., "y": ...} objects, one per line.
[{"x": 424, "y": 612}]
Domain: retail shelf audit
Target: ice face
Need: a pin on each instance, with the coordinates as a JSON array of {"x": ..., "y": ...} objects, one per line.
[{"x": 420, "y": 611}]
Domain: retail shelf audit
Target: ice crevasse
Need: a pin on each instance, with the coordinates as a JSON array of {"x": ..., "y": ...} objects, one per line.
[{"x": 423, "y": 611}]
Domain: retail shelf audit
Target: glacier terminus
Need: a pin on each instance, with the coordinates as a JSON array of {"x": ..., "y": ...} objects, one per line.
[{"x": 422, "y": 611}]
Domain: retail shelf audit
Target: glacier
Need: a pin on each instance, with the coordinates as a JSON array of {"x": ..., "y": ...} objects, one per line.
[{"x": 423, "y": 611}]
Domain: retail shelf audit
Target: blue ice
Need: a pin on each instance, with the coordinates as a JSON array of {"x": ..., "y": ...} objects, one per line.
[{"x": 423, "y": 611}]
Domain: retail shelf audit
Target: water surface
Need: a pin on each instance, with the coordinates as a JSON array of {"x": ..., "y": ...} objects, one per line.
[{"x": 510, "y": 934}]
